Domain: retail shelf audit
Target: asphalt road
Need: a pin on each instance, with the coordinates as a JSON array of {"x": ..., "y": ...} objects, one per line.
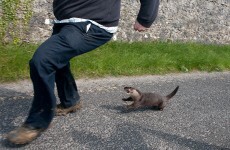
[{"x": 197, "y": 117}]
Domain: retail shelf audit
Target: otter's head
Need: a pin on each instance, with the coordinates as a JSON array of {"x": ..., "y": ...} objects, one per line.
[{"x": 132, "y": 91}]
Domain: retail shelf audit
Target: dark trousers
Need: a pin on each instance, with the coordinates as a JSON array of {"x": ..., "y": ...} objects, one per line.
[{"x": 50, "y": 64}]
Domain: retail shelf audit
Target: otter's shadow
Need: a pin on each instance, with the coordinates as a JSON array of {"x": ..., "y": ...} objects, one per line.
[{"x": 122, "y": 109}]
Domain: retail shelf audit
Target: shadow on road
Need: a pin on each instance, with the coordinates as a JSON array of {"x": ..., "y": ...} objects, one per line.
[
  {"x": 130, "y": 136},
  {"x": 123, "y": 109},
  {"x": 14, "y": 107}
]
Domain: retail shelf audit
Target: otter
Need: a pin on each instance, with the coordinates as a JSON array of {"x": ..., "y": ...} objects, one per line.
[{"x": 147, "y": 99}]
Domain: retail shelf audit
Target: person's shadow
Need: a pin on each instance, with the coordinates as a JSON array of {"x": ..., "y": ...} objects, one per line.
[
  {"x": 130, "y": 136},
  {"x": 14, "y": 107}
]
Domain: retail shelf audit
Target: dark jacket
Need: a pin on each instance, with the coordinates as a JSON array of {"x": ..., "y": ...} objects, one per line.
[{"x": 105, "y": 12}]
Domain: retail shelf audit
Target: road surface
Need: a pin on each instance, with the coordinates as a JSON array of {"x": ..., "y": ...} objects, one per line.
[{"x": 197, "y": 117}]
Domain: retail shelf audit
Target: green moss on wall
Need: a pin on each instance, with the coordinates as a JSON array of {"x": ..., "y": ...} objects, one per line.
[{"x": 15, "y": 20}]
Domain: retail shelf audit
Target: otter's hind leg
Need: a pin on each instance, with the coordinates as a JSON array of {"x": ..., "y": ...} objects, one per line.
[{"x": 161, "y": 106}]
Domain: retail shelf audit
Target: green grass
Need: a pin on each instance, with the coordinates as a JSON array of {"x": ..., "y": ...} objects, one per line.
[
  {"x": 14, "y": 61},
  {"x": 125, "y": 59}
]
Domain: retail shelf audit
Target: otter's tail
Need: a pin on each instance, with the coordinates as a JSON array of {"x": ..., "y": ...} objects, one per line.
[{"x": 173, "y": 93}]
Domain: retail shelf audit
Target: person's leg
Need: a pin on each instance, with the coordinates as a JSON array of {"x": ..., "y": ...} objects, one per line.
[
  {"x": 50, "y": 57},
  {"x": 66, "y": 87},
  {"x": 53, "y": 56},
  {"x": 67, "y": 92}
]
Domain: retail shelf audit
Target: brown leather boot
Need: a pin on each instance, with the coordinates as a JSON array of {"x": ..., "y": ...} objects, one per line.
[
  {"x": 61, "y": 111},
  {"x": 24, "y": 134}
]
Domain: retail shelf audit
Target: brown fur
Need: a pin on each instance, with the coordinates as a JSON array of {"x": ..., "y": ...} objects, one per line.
[{"x": 147, "y": 99}]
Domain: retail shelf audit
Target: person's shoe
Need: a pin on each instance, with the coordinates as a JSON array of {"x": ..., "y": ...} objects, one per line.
[
  {"x": 24, "y": 134},
  {"x": 61, "y": 111}
]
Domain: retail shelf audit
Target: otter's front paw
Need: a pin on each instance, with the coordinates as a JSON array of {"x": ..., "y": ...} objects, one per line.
[{"x": 127, "y": 99}]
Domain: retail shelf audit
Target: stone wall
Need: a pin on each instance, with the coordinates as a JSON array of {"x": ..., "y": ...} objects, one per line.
[{"x": 206, "y": 21}]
